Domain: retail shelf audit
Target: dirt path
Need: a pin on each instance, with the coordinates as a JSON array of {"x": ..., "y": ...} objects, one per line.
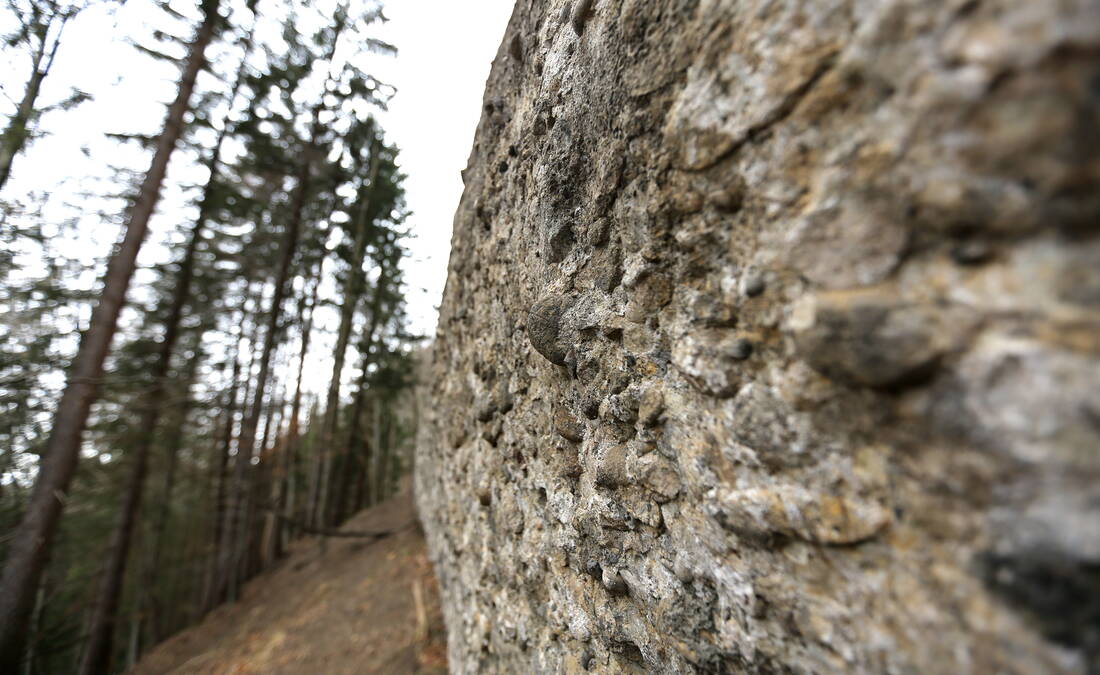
[{"x": 352, "y": 608}]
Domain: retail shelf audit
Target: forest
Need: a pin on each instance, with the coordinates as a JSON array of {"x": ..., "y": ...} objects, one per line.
[{"x": 171, "y": 421}]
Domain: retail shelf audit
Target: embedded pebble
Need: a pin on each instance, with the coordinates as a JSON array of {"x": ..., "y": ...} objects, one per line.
[
  {"x": 543, "y": 326},
  {"x": 871, "y": 338},
  {"x": 742, "y": 349},
  {"x": 568, "y": 426},
  {"x": 683, "y": 571},
  {"x": 753, "y": 285},
  {"x": 650, "y": 407},
  {"x": 613, "y": 581}
]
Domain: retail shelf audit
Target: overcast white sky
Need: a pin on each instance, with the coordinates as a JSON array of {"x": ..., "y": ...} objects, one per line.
[
  {"x": 445, "y": 51},
  {"x": 446, "y": 48}
]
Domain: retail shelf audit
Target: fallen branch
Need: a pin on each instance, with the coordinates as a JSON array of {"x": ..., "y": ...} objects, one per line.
[{"x": 331, "y": 532}]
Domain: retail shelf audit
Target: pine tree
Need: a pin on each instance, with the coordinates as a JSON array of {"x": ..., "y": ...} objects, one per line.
[
  {"x": 101, "y": 631},
  {"x": 207, "y": 404},
  {"x": 342, "y": 89},
  {"x": 352, "y": 290},
  {"x": 32, "y": 540}
]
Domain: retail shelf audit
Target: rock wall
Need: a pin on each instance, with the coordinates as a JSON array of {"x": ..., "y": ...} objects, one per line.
[{"x": 771, "y": 342}]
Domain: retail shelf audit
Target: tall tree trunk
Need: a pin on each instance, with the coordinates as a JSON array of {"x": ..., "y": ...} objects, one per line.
[
  {"x": 293, "y": 430},
  {"x": 357, "y": 409},
  {"x": 33, "y": 539},
  {"x": 264, "y": 477},
  {"x": 352, "y": 291},
  {"x": 368, "y": 355},
  {"x": 152, "y": 604},
  {"x": 382, "y": 450},
  {"x": 234, "y": 520},
  {"x": 308, "y": 441},
  {"x": 285, "y": 447},
  {"x": 219, "y": 561},
  {"x": 103, "y": 616},
  {"x": 219, "y": 463},
  {"x": 362, "y": 451}
]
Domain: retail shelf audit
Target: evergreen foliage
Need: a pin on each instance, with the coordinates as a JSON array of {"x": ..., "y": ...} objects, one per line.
[{"x": 211, "y": 443}]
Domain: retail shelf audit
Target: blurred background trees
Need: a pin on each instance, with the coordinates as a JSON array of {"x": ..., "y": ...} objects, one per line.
[{"x": 255, "y": 387}]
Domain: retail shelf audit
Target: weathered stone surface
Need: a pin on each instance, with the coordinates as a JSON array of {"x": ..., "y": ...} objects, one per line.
[{"x": 777, "y": 346}]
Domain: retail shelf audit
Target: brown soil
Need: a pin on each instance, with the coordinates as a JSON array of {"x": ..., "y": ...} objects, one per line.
[{"x": 347, "y": 605}]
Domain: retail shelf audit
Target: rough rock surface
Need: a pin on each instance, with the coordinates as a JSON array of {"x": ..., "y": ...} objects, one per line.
[{"x": 771, "y": 342}]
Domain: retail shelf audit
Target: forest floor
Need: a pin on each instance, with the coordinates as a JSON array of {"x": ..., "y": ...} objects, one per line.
[{"x": 351, "y": 605}]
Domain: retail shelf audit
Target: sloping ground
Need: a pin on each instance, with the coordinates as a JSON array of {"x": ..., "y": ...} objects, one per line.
[{"x": 351, "y": 606}]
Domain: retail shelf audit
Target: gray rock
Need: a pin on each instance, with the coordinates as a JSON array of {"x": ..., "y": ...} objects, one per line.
[{"x": 821, "y": 280}]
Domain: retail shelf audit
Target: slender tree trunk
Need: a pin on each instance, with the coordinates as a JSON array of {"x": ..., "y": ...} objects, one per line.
[
  {"x": 220, "y": 463},
  {"x": 265, "y": 478},
  {"x": 381, "y": 450},
  {"x": 152, "y": 604},
  {"x": 307, "y": 441},
  {"x": 15, "y": 135},
  {"x": 285, "y": 450},
  {"x": 362, "y": 452},
  {"x": 235, "y": 520},
  {"x": 103, "y": 616},
  {"x": 33, "y": 539},
  {"x": 352, "y": 291},
  {"x": 226, "y": 487},
  {"x": 357, "y": 408},
  {"x": 368, "y": 352},
  {"x": 293, "y": 431}
]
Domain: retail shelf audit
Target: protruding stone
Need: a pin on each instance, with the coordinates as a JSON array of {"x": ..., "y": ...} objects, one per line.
[
  {"x": 659, "y": 476},
  {"x": 613, "y": 581},
  {"x": 568, "y": 426},
  {"x": 610, "y": 466},
  {"x": 796, "y": 511},
  {"x": 543, "y": 327},
  {"x": 683, "y": 570},
  {"x": 753, "y": 284},
  {"x": 871, "y": 338},
  {"x": 855, "y": 244},
  {"x": 651, "y": 406}
]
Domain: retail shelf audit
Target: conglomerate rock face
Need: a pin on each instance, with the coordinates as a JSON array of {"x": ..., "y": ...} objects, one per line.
[{"x": 771, "y": 342}]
